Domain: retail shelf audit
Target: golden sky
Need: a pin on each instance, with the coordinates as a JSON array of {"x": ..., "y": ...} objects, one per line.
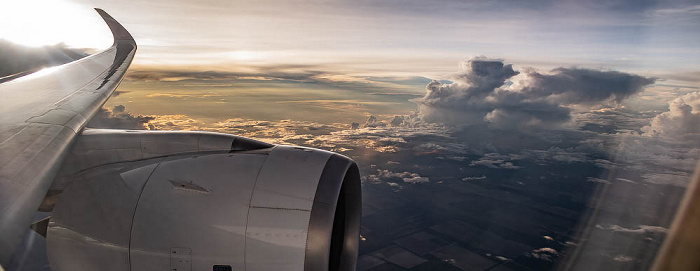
[
  {"x": 345, "y": 60},
  {"x": 370, "y": 38}
]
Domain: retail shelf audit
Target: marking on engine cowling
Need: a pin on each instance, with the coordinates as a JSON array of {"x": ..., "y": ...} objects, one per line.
[
  {"x": 222, "y": 268},
  {"x": 189, "y": 186}
]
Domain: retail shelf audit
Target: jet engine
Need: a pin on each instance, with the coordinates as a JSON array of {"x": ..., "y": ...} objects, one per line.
[{"x": 185, "y": 201}]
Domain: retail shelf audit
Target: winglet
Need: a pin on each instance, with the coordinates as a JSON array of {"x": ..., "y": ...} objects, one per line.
[{"x": 118, "y": 31}]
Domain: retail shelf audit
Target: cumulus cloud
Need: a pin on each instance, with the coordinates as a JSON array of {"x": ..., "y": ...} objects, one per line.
[
  {"x": 477, "y": 94},
  {"x": 666, "y": 150},
  {"x": 681, "y": 122},
  {"x": 655, "y": 159},
  {"x": 545, "y": 253},
  {"x": 278, "y": 132},
  {"x": 416, "y": 179},
  {"x": 406, "y": 177},
  {"x": 118, "y": 118},
  {"x": 382, "y": 138},
  {"x": 473, "y": 178},
  {"x": 495, "y": 160},
  {"x": 397, "y": 121},
  {"x": 373, "y": 122}
]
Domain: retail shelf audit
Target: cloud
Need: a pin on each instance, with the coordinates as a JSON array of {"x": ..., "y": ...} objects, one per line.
[
  {"x": 478, "y": 79},
  {"x": 477, "y": 94},
  {"x": 674, "y": 178},
  {"x": 642, "y": 229},
  {"x": 184, "y": 96},
  {"x": 545, "y": 253},
  {"x": 495, "y": 160},
  {"x": 681, "y": 122},
  {"x": 416, "y": 179},
  {"x": 383, "y": 138},
  {"x": 656, "y": 160},
  {"x": 397, "y": 121},
  {"x": 666, "y": 150},
  {"x": 584, "y": 86},
  {"x": 278, "y": 132},
  {"x": 339, "y": 105},
  {"x": 623, "y": 258},
  {"x": 318, "y": 75},
  {"x": 598, "y": 180},
  {"x": 182, "y": 75},
  {"x": 473, "y": 178},
  {"x": 507, "y": 102},
  {"x": 373, "y": 122},
  {"x": 118, "y": 118},
  {"x": 176, "y": 122},
  {"x": 692, "y": 10},
  {"x": 406, "y": 177}
]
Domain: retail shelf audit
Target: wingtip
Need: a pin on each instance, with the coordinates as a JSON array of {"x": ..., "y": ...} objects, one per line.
[{"x": 118, "y": 31}]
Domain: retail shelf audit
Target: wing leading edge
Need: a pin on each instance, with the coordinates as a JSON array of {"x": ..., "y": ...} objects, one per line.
[{"x": 40, "y": 117}]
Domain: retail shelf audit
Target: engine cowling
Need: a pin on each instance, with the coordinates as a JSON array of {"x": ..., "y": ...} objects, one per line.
[{"x": 272, "y": 208}]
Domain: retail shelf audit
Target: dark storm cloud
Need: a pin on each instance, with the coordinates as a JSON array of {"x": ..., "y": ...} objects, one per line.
[
  {"x": 478, "y": 95},
  {"x": 118, "y": 118},
  {"x": 585, "y": 86}
]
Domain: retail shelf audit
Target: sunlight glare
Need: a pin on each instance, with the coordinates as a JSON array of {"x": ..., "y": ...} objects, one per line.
[
  {"x": 48, "y": 22},
  {"x": 246, "y": 55}
]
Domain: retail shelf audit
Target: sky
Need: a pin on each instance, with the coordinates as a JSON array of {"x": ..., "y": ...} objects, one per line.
[
  {"x": 397, "y": 38},
  {"x": 375, "y": 46},
  {"x": 553, "y": 109}
]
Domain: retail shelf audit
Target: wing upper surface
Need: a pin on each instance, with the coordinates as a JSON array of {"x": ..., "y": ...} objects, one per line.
[{"x": 40, "y": 116}]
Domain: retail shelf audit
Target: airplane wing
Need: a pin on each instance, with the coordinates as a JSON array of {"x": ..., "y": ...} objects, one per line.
[{"x": 41, "y": 115}]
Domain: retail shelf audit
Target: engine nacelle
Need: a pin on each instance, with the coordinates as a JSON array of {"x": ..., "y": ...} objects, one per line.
[{"x": 276, "y": 208}]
